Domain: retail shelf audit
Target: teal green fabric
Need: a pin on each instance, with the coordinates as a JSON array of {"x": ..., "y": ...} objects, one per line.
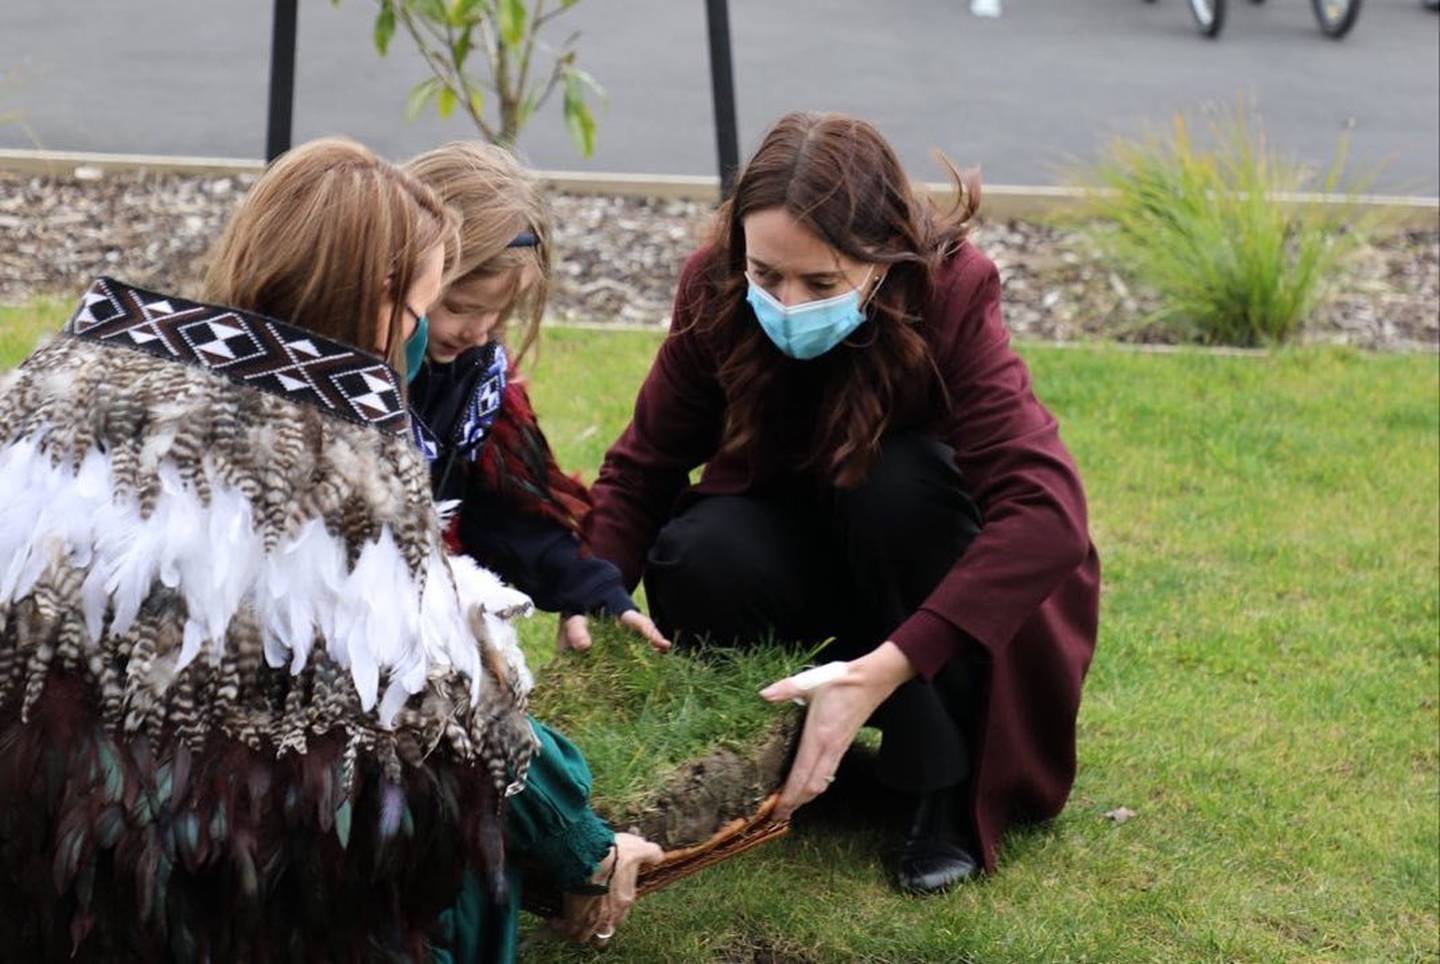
[
  {"x": 474, "y": 930},
  {"x": 550, "y": 825}
]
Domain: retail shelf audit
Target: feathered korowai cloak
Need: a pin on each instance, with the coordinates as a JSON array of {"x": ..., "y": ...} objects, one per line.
[{"x": 248, "y": 708}]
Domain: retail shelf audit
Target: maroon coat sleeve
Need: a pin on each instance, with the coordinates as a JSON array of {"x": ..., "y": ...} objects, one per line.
[
  {"x": 1008, "y": 449},
  {"x": 675, "y": 428}
]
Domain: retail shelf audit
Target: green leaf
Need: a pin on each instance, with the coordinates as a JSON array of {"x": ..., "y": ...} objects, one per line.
[
  {"x": 512, "y": 22},
  {"x": 461, "y": 48},
  {"x": 462, "y": 12},
  {"x": 577, "y": 115},
  {"x": 564, "y": 4},
  {"x": 420, "y": 95},
  {"x": 384, "y": 26},
  {"x": 588, "y": 81},
  {"x": 477, "y": 101},
  {"x": 434, "y": 11},
  {"x": 445, "y": 103}
]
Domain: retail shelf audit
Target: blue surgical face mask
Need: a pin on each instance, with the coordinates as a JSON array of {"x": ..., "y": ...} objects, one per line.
[
  {"x": 808, "y": 330},
  {"x": 415, "y": 347}
]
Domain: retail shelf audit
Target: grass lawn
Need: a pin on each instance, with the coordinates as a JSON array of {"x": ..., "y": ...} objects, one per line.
[
  {"x": 21, "y": 327},
  {"x": 1264, "y": 696}
]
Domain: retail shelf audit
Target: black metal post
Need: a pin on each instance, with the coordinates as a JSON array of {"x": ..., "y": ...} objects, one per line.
[
  {"x": 722, "y": 90},
  {"x": 282, "y": 79}
]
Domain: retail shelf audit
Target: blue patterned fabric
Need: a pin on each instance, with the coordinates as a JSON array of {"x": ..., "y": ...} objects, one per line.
[{"x": 460, "y": 402}]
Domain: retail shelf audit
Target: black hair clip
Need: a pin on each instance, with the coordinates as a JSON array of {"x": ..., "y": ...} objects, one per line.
[{"x": 525, "y": 239}]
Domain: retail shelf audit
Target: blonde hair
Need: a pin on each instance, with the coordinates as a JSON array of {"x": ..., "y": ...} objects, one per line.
[
  {"x": 497, "y": 200},
  {"x": 323, "y": 237}
]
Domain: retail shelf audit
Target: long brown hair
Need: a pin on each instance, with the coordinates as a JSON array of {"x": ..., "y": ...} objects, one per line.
[
  {"x": 323, "y": 237},
  {"x": 497, "y": 200},
  {"x": 836, "y": 176}
]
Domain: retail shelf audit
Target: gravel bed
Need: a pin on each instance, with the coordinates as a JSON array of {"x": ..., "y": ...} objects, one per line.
[{"x": 618, "y": 259}]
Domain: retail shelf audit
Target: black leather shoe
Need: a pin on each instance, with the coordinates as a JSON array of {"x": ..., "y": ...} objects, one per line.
[{"x": 934, "y": 857}]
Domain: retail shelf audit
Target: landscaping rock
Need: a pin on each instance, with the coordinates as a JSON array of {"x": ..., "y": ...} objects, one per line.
[{"x": 618, "y": 260}]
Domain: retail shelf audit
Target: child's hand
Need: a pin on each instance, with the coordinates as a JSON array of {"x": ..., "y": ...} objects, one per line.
[
  {"x": 641, "y": 625},
  {"x": 573, "y": 632}
]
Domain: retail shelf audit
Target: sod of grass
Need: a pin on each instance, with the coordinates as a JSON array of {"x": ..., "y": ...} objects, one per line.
[{"x": 679, "y": 744}]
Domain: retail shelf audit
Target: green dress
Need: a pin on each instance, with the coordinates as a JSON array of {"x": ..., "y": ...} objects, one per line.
[{"x": 551, "y": 825}]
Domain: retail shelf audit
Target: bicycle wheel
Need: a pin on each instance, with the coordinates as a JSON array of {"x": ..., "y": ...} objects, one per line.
[
  {"x": 1209, "y": 16},
  {"x": 1336, "y": 17}
]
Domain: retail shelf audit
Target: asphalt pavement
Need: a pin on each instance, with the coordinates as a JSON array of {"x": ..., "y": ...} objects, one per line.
[{"x": 1022, "y": 95}]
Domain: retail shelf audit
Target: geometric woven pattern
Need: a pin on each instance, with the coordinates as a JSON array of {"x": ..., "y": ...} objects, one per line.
[
  {"x": 268, "y": 355},
  {"x": 484, "y": 401},
  {"x": 479, "y": 376}
]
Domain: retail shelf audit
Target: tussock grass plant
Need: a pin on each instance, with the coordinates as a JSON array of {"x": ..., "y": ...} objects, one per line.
[{"x": 1218, "y": 232}]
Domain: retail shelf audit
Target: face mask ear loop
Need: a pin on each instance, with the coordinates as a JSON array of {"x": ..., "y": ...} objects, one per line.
[
  {"x": 865, "y": 309},
  {"x": 871, "y": 296}
]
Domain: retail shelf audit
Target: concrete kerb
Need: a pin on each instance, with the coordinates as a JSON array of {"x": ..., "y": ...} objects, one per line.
[
  {"x": 1000, "y": 201},
  {"x": 64, "y": 163}
]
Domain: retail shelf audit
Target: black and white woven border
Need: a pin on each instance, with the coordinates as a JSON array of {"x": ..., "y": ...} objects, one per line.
[{"x": 249, "y": 349}]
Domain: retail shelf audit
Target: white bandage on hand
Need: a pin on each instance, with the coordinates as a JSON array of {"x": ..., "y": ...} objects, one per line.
[{"x": 809, "y": 680}]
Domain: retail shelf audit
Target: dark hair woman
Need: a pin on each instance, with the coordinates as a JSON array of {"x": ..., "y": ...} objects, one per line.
[{"x": 877, "y": 470}]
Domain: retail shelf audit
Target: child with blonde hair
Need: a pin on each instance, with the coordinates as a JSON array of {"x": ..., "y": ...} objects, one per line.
[{"x": 519, "y": 513}]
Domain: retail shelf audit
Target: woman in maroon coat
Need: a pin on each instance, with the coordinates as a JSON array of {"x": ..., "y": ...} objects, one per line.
[{"x": 878, "y": 473}]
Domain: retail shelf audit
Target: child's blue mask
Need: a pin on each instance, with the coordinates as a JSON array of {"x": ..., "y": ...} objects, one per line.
[
  {"x": 415, "y": 346},
  {"x": 808, "y": 330}
]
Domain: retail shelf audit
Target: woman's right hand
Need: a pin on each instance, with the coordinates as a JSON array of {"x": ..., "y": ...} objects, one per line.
[
  {"x": 836, "y": 712},
  {"x": 573, "y": 632}
]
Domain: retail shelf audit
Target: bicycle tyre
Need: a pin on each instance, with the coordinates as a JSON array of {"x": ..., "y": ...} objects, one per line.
[
  {"x": 1209, "y": 16},
  {"x": 1336, "y": 17}
]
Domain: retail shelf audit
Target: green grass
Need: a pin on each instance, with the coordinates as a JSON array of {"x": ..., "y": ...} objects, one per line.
[
  {"x": 1266, "y": 693},
  {"x": 23, "y": 325}
]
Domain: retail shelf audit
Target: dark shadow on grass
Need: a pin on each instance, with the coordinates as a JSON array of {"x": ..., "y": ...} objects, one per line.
[
  {"x": 873, "y": 816},
  {"x": 858, "y": 807}
]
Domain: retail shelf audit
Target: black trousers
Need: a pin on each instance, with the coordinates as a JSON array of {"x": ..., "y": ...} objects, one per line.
[{"x": 804, "y": 563}]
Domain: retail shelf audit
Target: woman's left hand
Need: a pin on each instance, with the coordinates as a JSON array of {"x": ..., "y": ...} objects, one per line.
[
  {"x": 837, "y": 711},
  {"x": 595, "y": 918}
]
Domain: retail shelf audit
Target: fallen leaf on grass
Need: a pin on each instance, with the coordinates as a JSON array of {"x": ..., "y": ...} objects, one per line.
[{"x": 1119, "y": 814}]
